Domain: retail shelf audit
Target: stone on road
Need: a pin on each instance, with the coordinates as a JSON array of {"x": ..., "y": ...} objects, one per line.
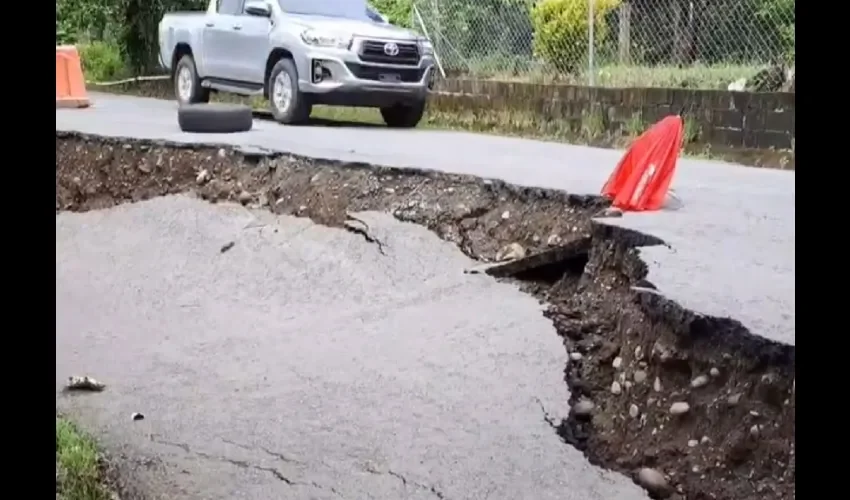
[{"x": 304, "y": 363}]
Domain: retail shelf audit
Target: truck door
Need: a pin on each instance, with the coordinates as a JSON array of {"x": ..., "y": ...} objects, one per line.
[
  {"x": 220, "y": 36},
  {"x": 253, "y": 46}
]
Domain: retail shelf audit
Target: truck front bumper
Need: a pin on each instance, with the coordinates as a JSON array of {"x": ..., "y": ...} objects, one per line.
[{"x": 341, "y": 79}]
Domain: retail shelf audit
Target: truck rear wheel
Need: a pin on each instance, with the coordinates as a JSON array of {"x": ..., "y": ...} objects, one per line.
[
  {"x": 288, "y": 105},
  {"x": 187, "y": 83},
  {"x": 406, "y": 115}
]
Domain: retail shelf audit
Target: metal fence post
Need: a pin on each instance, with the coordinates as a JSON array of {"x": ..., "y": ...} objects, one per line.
[
  {"x": 591, "y": 45},
  {"x": 421, "y": 23}
]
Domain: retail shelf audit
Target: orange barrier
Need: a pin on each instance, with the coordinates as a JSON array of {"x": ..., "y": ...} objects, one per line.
[
  {"x": 642, "y": 178},
  {"x": 70, "y": 85}
]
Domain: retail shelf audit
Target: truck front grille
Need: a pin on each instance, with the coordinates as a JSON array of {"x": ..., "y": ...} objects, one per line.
[
  {"x": 374, "y": 51},
  {"x": 376, "y": 73}
]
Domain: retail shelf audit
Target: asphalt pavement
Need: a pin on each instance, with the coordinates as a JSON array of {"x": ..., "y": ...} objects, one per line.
[
  {"x": 305, "y": 364},
  {"x": 731, "y": 244}
]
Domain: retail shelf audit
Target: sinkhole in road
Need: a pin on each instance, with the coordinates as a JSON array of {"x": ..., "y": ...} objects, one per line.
[{"x": 651, "y": 387}]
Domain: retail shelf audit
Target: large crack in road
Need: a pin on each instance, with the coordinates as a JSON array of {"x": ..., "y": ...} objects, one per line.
[{"x": 652, "y": 386}]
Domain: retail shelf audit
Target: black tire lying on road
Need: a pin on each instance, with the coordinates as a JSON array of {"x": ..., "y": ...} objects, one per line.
[
  {"x": 407, "y": 115},
  {"x": 215, "y": 118}
]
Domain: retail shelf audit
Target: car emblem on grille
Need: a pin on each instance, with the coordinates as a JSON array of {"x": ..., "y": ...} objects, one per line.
[{"x": 391, "y": 49}]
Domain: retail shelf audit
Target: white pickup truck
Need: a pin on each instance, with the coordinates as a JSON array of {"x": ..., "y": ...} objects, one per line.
[{"x": 298, "y": 53}]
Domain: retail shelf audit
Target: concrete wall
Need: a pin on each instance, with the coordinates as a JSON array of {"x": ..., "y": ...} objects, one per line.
[{"x": 723, "y": 118}]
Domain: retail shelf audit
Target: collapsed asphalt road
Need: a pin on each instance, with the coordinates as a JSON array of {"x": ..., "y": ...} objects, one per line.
[
  {"x": 275, "y": 358},
  {"x": 303, "y": 363}
]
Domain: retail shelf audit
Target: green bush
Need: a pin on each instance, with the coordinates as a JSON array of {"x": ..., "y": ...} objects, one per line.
[
  {"x": 399, "y": 12},
  {"x": 101, "y": 61},
  {"x": 561, "y": 30},
  {"x": 777, "y": 17}
]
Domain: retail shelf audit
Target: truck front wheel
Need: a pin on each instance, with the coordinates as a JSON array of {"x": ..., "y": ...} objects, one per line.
[
  {"x": 289, "y": 106},
  {"x": 187, "y": 84},
  {"x": 407, "y": 115}
]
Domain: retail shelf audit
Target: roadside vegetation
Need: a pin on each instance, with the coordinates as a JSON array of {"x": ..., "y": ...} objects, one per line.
[{"x": 79, "y": 474}]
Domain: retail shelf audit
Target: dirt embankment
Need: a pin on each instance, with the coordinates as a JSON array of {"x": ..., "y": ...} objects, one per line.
[{"x": 690, "y": 406}]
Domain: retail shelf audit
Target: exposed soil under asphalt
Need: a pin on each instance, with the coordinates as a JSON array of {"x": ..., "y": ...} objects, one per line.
[{"x": 691, "y": 407}]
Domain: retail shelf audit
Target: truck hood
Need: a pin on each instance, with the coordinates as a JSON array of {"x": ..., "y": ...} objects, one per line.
[{"x": 354, "y": 27}]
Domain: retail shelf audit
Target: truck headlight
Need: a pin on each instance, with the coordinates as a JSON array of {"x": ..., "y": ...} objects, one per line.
[
  {"x": 425, "y": 48},
  {"x": 320, "y": 39}
]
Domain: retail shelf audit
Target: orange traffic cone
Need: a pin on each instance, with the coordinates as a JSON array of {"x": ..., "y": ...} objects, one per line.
[
  {"x": 70, "y": 86},
  {"x": 642, "y": 178}
]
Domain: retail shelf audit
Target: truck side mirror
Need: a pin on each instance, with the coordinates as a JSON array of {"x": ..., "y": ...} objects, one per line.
[
  {"x": 258, "y": 8},
  {"x": 376, "y": 16}
]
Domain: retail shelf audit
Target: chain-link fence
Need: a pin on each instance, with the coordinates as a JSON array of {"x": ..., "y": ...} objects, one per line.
[{"x": 620, "y": 43}]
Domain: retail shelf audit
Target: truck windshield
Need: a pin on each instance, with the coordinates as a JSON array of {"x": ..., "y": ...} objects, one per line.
[{"x": 347, "y": 9}]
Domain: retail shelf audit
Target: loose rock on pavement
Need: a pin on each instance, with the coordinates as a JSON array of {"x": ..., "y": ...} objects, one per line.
[{"x": 84, "y": 383}]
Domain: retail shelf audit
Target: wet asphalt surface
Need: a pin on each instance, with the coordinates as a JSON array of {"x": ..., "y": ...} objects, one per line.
[
  {"x": 731, "y": 245},
  {"x": 304, "y": 364}
]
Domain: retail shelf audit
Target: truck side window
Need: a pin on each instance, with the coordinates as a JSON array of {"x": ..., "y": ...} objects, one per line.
[{"x": 230, "y": 7}]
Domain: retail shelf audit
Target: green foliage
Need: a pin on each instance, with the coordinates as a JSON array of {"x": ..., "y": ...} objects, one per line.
[
  {"x": 721, "y": 31},
  {"x": 779, "y": 17},
  {"x": 64, "y": 35},
  {"x": 469, "y": 32},
  {"x": 102, "y": 61},
  {"x": 78, "y": 20},
  {"x": 399, "y": 12},
  {"x": 561, "y": 30},
  {"x": 94, "y": 26},
  {"x": 139, "y": 36},
  {"x": 140, "y": 21},
  {"x": 130, "y": 25},
  {"x": 77, "y": 459}
]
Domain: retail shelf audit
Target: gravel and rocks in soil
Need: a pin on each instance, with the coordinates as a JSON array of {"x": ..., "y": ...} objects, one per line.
[{"x": 689, "y": 406}]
